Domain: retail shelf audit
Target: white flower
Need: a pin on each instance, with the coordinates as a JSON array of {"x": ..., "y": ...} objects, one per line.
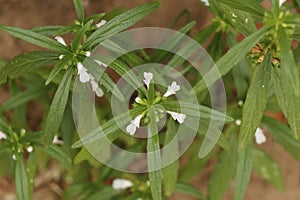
[
  {"x": 14, "y": 157},
  {"x": 240, "y": 102},
  {"x": 281, "y": 2},
  {"x": 82, "y": 72},
  {"x": 101, "y": 63},
  {"x": 148, "y": 76},
  {"x": 172, "y": 89},
  {"x": 96, "y": 88},
  {"x": 88, "y": 53},
  {"x": 30, "y": 149},
  {"x": 2, "y": 136},
  {"x": 56, "y": 140},
  {"x": 137, "y": 99},
  {"x": 121, "y": 184},
  {"x": 61, "y": 57},
  {"x": 205, "y": 2},
  {"x": 238, "y": 122},
  {"x": 61, "y": 40},
  {"x": 177, "y": 116},
  {"x": 259, "y": 136},
  {"x": 101, "y": 23},
  {"x": 134, "y": 124}
]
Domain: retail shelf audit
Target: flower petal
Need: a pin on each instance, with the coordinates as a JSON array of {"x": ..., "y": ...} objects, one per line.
[
  {"x": 148, "y": 76},
  {"x": 2, "y": 136},
  {"x": 101, "y": 63},
  {"x": 137, "y": 121},
  {"x": 281, "y": 2},
  {"x": 259, "y": 136},
  {"x": 131, "y": 128},
  {"x": 60, "y": 40},
  {"x": 121, "y": 184},
  {"x": 101, "y": 23},
  {"x": 172, "y": 89}
]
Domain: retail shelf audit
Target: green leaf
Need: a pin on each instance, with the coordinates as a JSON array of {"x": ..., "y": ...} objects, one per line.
[
  {"x": 21, "y": 180},
  {"x": 255, "y": 103},
  {"x": 47, "y": 30},
  {"x": 251, "y": 7},
  {"x": 223, "y": 173},
  {"x": 21, "y": 98},
  {"x": 289, "y": 83},
  {"x": 268, "y": 169},
  {"x": 58, "y": 107},
  {"x": 79, "y": 35},
  {"x": 120, "y": 23},
  {"x": 170, "y": 173},
  {"x": 107, "y": 193},
  {"x": 31, "y": 171},
  {"x": 243, "y": 173},
  {"x": 79, "y": 9},
  {"x": 154, "y": 159},
  {"x": 35, "y": 38},
  {"x": 25, "y": 63},
  {"x": 59, "y": 154},
  {"x": 283, "y": 135},
  {"x": 189, "y": 190},
  {"x": 67, "y": 29},
  {"x": 206, "y": 33},
  {"x": 63, "y": 64},
  {"x": 230, "y": 59}
]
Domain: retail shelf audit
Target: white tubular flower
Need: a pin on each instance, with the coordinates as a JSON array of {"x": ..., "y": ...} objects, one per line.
[
  {"x": 121, "y": 184},
  {"x": 205, "y": 2},
  {"x": 148, "y": 76},
  {"x": 101, "y": 63},
  {"x": 60, "y": 40},
  {"x": 134, "y": 124},
  {"x": 61, "y": 57},
  {"x": 57, "y": 141},
  {"x": 82, "y": 72},
  {"x": 172, "y": 89},
  {"x": 96, "y": 88},
  {"x": 281, "y": 2},
  {"x": 2, "y": 136},
  {"x": 101, "y": 23},
  {"x": 177, "y": 116},
  {"x": 87, "y": 53},
  {"x": 14, "y": 157},
  {"x": 259, "y": 136},
  {"x": 137, "y": 99},
  {"x": 30, "y": 149}
]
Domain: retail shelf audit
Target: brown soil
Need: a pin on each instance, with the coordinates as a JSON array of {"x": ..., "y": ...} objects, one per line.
[{"x": 33, "y": 13}]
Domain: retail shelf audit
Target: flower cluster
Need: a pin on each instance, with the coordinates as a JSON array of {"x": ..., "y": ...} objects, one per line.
[
  {"x": 172, "y": 89},
  {"x": 82, "y": 72}
]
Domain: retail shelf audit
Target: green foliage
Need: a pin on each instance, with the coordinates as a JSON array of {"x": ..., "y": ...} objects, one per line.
[{"x": 259, "y": 70}]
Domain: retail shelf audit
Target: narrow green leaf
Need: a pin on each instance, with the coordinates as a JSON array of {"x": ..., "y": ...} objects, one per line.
[
  {"x": 268, "y": 169},
  {"x": 251, "y": 7},
  {"x": 63, "y": 64},
  {"x": 120, "y": 23},
  {"x": 243, "y": 173},
  {"x": 21, "y": 180},
  {"x": 206, "y": 33},
  {"x": 154, "y": 159},
  {"x": 35, "y": 38},
  {"x": 25, "y": 63},
  {"x": 290, "y": 84},
  {"x": 58, "y": 106},
  {"x": 223, "y": 173},
  {"x": 31, "y": 171},
  {"x": 189, "y": 190},
  {"x": 59, "y": 154},
  {"x": 79, "y": 9},
  {"x": 170, "y": 173},
  {"x": 283, "y": 135},
  {"x": 47, "y": 30},
  {"x": 255, "y": 103},
  {"x": 79, "y": 35},
  {"x": 230, "y": 59},
  {"x": 21, "y": 98}
]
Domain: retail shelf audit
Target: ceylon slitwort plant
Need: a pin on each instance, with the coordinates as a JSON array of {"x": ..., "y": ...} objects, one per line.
[{"x": 260, "y": 73}]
